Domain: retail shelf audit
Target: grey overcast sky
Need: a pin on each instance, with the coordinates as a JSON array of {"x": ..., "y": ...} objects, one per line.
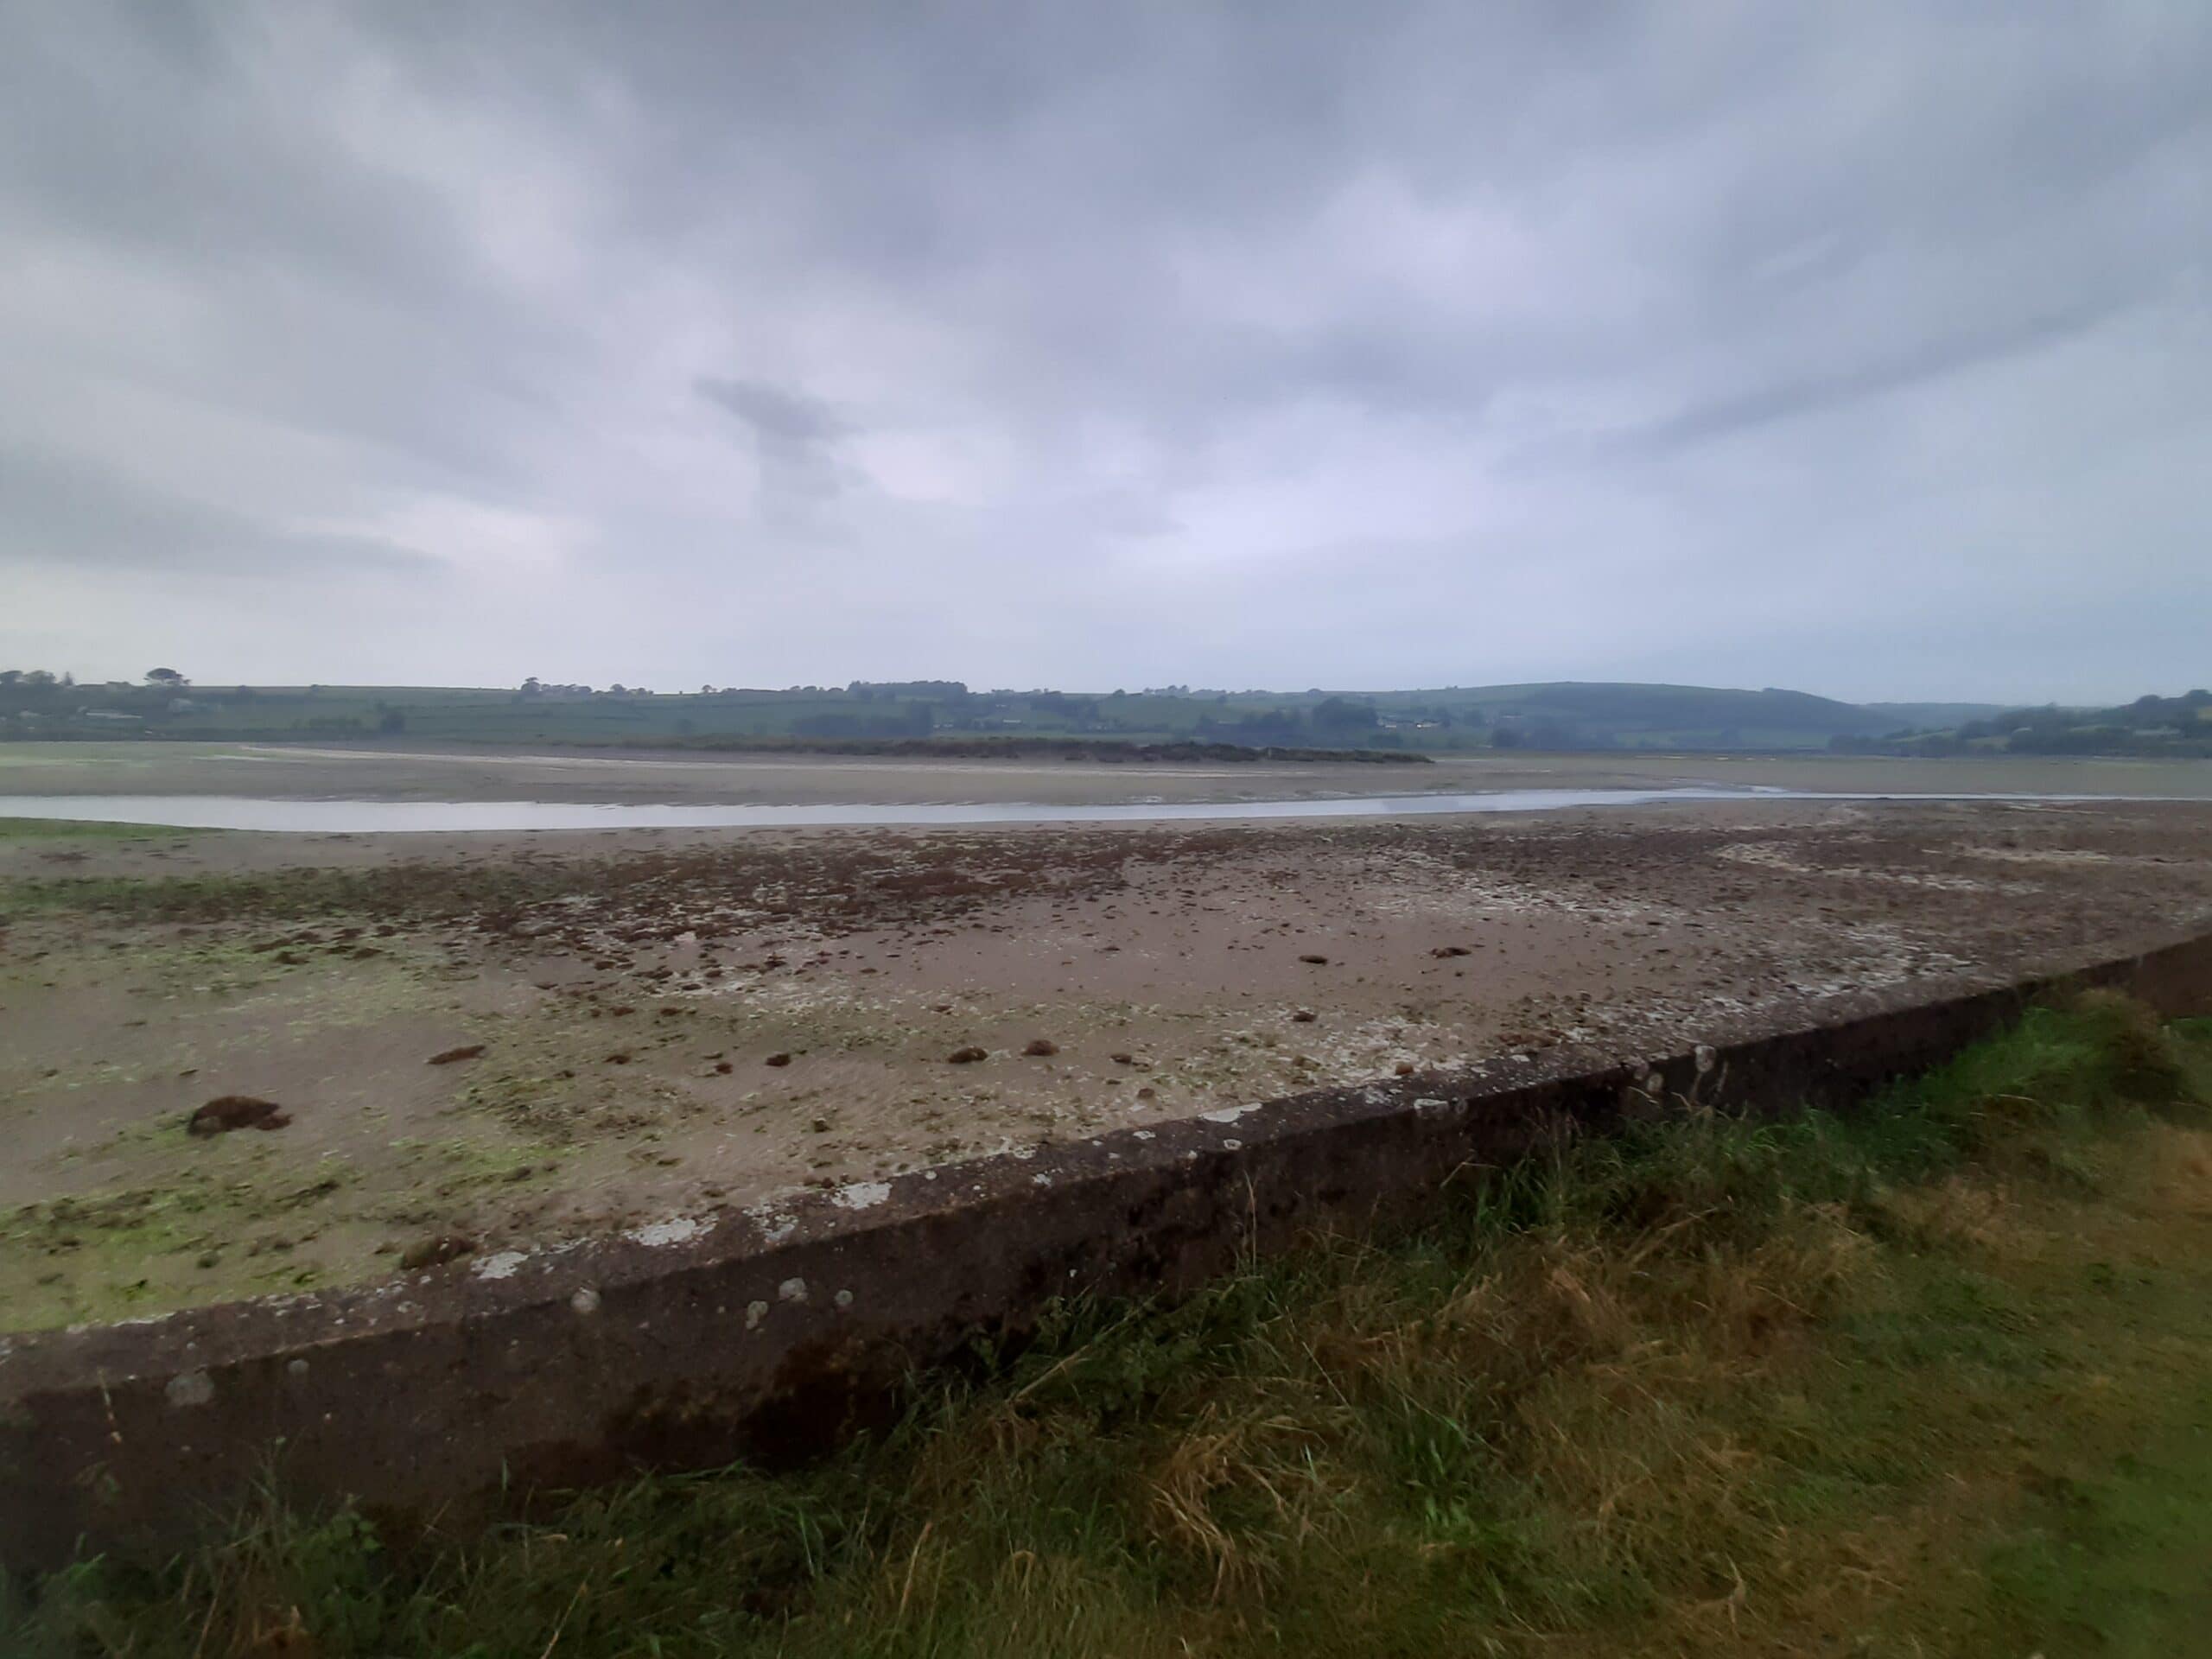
[{"x": 1861, "y": 347}]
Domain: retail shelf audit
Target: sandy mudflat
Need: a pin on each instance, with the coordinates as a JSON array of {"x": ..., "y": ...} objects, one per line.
[
  {"x": 630, "y": 992},
  {"x": 149, "y": 768}
]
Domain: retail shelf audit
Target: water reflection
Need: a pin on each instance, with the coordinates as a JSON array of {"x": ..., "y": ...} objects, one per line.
[
  {"x": 375, "y": 817},
  {"x": 381, "y": 817}
]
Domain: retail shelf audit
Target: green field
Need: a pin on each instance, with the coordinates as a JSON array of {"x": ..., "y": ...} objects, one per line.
[
  {"x": 1935, "y": 1378},
  {"x": 1550, "y": 716},
  {"x": 66, "y": 829},
  {"x": 1568, "y": 715}
]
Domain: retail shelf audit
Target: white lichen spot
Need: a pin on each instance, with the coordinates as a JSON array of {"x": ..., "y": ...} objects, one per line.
[
  {"x": 791, "y": 1290},
  {"x": 775, "y": 1226},
  {"x": 844, "y": 1299},
  {"x": 501, "y": 1265},
  {"x": 586, "y": 1300},
  {"x": 190, "y": 1389},
  {"x": 1706, "y": 1056},
  {"x": 1040, "y": 1180},
  {"x": 295, "y": 1367},
  {"x": 860, "y": 1195},
  {"x": 1232, "y": 1144},
  {"x": 675, "y": 1230},
  {"x": 1228, "y": 1114},
  {"x": 755, "y": 1313}
]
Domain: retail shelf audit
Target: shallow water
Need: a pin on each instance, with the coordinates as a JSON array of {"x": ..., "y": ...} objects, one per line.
[{"x": 383, "y": 817}]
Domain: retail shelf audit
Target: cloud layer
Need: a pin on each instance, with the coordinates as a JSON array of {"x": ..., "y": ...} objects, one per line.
[{"x": 1864, "y": 348}]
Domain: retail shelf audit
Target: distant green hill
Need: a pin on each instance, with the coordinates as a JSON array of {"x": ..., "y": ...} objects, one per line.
[
  {"x": 1933, "y": 716},
  {"x": 1572, "y": 715},
  {"x": 1567, "y": 715}
]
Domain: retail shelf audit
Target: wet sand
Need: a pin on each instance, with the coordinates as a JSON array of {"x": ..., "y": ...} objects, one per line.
[
  {"x": 419, "y": 774},
  {"x": 673, "y": 1021}
]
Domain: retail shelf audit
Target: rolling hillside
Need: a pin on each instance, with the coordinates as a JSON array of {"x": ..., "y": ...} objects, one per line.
[{"x": 1563, "y": 715}]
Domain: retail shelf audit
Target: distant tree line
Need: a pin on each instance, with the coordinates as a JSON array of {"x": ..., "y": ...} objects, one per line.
[
  {"x": 32, "y": 698},
  {"x": 37, "y": 702},
  {"x": 1565, "y": 716},
  {"x": 2178, "y": 727}
]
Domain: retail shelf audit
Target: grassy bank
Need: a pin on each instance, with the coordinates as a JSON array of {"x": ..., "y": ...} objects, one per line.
[{"x": 1933, "y": 1378}]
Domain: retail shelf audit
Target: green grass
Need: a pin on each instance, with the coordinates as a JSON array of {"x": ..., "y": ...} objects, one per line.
[
  {"x": 2112, "y": 1552},
  {"x": 1935, "y": 1377},
  {"x": 76, "y": 829}
]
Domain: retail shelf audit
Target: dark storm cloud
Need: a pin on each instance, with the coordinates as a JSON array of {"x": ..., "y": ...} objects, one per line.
[
  {"x": 793, "y": 436},
  {"x": 787, "y": 421},
  {"x": 1812, "y": 396},
  {"x": 63, "y": 514},
  {"x": 784, "y": 343}
]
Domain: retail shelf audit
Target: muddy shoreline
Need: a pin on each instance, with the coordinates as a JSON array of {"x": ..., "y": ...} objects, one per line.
[
  {"x": 420, "y": 774},
  {"x": 668, "y": 1023}
]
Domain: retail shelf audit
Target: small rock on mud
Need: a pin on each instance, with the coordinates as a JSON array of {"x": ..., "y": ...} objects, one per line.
[
  {"x": 435, "y": 1252},
  {"x": 465, "y": 1052},
  {"x": 968, "y": 1056},
  {"x": 228, "y": 1112},
  {"x": 1316, "y": 958},
  {"x": 1041, "y": 1047},
  {"x": 777, "y": 1059}
]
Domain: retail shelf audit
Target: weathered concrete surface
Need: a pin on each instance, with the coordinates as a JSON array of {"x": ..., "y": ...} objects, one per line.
[{"x": 771, "y": 1331}]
